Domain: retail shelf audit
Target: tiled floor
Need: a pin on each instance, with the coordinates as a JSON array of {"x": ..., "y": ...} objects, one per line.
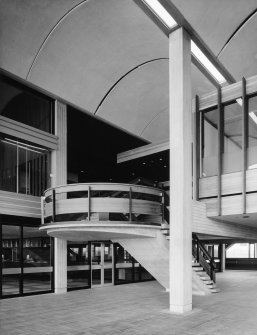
[{"x": 136, "y": 309}]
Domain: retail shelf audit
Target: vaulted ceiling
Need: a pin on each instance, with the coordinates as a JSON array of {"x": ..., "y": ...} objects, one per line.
[{"x": 109, "y": 58}]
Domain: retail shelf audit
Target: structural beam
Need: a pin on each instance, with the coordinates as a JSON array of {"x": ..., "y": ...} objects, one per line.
[
  {"x": 142, "y": 151},
  {"x": 180, "y": 172}
]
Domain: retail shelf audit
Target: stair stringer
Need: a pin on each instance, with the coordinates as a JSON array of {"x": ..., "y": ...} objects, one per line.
[{"x": 153, "y": 255}]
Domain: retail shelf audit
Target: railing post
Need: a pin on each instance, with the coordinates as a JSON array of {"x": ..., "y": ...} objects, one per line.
[
  {"x": 54, "y": 205},
  {"x": 130, "y": 204},
  {"x": 42, "y": 210},
  {"x": 89, "y": 203},
  {"x": 163, "y": 204},
  {"x": 198, "y": 251}
]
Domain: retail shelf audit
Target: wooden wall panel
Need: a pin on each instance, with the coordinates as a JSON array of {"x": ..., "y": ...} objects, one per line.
[{"x": 19, "y": 204}]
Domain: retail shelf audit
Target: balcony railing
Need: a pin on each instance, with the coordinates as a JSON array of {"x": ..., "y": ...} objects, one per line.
[{"x": 103, "y": 202}]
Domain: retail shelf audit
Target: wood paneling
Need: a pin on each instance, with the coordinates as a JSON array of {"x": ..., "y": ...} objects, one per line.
[
  {"x": 231, "y": 184},
  {"x": 204, "y": 225},
  {"x": 104, "y": 205},
  {"x": 142, "y": 151},
  {"x": 19, "y": 204}
]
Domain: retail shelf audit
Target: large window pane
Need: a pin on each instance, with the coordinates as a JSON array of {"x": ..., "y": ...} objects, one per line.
[
  {"x": 232, "y": 154},
  {"x": 8, "y": 166},
  {"x": 252, "y": 149},
  {"x": 209, "y": 147},
  {"x": 11, "y": 260},
  {"x": 24, "y": 105},
  {"x": 24, "y": 167},
  {"x": 36, "y": 260}
]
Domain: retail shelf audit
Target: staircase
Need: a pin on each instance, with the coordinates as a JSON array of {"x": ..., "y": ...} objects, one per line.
[{"x": 203, "y": 265}]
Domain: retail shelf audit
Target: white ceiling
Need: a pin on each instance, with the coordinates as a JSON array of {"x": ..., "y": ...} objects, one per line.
[{"x": 79, "y": 50}]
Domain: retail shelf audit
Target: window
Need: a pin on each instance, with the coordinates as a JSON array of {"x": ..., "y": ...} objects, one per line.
[
  {"x": 23, "y": 166},
  {"x": 25, "y": 105}
]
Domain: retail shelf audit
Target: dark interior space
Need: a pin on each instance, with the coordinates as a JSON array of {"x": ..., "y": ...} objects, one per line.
[{"x": 93, "y": 146}]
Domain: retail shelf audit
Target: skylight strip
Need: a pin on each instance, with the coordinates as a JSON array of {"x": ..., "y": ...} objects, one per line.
[
  {"x": 161, "y": 12},
  {"x": 253, "y": 117},
  {"x": 200, "y": 56}
]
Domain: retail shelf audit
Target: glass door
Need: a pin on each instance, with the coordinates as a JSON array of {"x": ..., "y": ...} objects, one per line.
[{"x": 101, "y": 263}]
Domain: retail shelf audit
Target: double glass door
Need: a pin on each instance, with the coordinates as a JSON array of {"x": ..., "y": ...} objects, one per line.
[{"x": 101, "y": 263}]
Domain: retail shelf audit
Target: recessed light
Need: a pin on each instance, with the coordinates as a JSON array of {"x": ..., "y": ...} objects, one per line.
[
  {"x": 161, "y": 12},
  {"x": 160, "y": 159},
  {"x": 165, "y": 166},
  {"x": 143, "y": 163},
  {"x": 200, "y": 56}
]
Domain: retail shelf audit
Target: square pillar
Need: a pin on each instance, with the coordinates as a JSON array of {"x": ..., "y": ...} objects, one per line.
[
  {"x": 222, "y": 257},
  {"x": 180, "y": 171},
  {"x": 59, "y": 177},
  {"x": 60, "y": 265}
]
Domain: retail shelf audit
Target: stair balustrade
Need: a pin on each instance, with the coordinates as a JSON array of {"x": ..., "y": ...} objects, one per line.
[{"x": 203, "y": 257}]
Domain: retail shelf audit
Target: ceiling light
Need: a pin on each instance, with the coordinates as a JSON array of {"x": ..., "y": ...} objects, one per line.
[
  {"x": 161, "y": 12},
  {"x": 200, "y": 56}
]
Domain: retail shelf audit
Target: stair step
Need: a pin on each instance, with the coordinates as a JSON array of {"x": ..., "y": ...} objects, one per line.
[
  {"x": 195, "y": 265},
  {"x": 198, "y": 269},
  {"x": 215, "y": 290}
]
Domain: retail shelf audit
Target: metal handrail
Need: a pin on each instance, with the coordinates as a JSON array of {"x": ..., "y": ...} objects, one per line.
[{"x": 203, "y": 257}]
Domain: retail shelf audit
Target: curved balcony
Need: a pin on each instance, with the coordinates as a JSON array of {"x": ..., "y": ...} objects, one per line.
[{"x": 102, "y": 211}]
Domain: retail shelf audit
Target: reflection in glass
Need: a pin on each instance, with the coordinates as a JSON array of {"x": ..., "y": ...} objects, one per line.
[
  {"x": 232, "y": 154},
  {"x": 252, "y": 140},
  {"x": 36, "y": 260},
  {"x": 11, "y": 260},
  {"x": 209, "y": 146}
]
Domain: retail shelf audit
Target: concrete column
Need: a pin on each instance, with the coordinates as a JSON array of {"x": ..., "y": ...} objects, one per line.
[
  {"x": 59, "y": 177},
  {"x": 223, "y": 257},
  {"x": 60, "y": 265},
  {"x": 180, "y": 172}
]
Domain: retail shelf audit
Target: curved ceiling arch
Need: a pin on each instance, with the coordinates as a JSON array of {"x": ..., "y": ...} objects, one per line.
[
  {"x": 139, "y": 99},
  {"x": 237, "y": 30},
  {"x": 51, "y": 31},
  {"x": 240, "y": 55},
  {"x": 124, "y": 76},
  {"x": 88, "y": 52}
]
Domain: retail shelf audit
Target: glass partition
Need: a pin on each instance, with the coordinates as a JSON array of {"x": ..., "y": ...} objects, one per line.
[
  {"x": 26, "y": 262},
  {"x": 11, "y": 261},
  {"x": 209, "y": 143},
  {"x": 232, "y": 138},
  {"x": 252, "y": 140},
  {"x": 37, "y": 262},
  {"x": 78, "y": 261},
  {"x": 24, "y": 167}
]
